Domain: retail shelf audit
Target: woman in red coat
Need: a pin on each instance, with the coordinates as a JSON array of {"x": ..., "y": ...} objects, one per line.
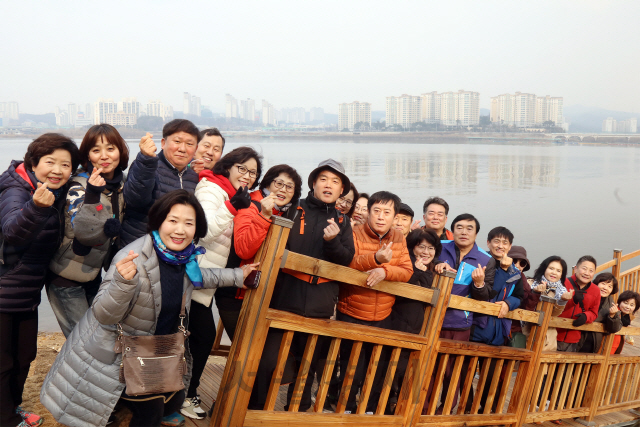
[{"x": 277, "y": 195}]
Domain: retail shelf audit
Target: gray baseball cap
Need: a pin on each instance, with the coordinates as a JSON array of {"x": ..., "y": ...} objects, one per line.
[{"x": 335, "y": 167}]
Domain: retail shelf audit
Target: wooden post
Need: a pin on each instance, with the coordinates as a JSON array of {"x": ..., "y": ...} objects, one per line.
[
  {"x": 416, "y": 382},
  {"x": 524, "y": 384},
  {"x": 615, "y": 270},
  {"x": 597, "y": 382},
  {"x": 251, "y": 331}
]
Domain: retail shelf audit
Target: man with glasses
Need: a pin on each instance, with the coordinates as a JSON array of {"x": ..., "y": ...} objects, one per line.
[
  {"x": 321, "y": 231},
  {"x": 436, "y": 210}
]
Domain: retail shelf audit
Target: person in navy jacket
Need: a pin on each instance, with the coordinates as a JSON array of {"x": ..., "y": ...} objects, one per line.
[{"x": 468, "y": 261}]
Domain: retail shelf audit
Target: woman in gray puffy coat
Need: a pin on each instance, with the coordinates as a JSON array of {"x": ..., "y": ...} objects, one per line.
[{"x": 143, "y": 292}]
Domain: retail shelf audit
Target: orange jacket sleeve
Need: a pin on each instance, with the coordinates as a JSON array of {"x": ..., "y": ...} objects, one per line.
[
  {"x": 249, "y": 231},
  {"x": 400, "y": 268},
  {"x": 363, "y": 262}
]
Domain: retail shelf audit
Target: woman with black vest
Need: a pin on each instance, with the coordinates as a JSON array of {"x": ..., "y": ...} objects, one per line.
[{"x": 32, "y": 197}]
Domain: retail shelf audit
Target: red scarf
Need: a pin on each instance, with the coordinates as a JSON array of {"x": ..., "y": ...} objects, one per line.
[{"x": 222, "y": 181}]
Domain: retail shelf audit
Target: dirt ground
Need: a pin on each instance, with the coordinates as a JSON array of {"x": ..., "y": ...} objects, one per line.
[{"x": 49, "y": 344}]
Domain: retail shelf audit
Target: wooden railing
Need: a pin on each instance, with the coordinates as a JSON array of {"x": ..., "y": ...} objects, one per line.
[
  {"x": 512, "y": 380},
  {"x": 628, "y": 280}
]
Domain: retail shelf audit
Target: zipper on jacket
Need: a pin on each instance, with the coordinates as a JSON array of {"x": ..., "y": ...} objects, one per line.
[
  {"x": 180, "y": 176},
  {"x": 142, "y": 359}
]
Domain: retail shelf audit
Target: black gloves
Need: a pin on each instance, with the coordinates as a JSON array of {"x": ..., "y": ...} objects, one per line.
[
  {"x": 578, "y": 297},
  {"x": 241, "y": 200},
  {"x": 580, "y": 320}
]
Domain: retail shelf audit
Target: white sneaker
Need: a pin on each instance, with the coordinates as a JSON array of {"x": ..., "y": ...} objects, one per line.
[{"x": 191, "y": 408}]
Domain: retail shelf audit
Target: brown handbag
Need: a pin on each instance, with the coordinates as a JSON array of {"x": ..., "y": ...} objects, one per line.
[{"x": 153, "y": 364}]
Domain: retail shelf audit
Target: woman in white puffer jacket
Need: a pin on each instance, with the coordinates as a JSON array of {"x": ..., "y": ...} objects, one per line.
[{"x": 222, "y": 192}]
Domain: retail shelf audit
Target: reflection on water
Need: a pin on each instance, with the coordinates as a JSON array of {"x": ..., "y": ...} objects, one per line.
[{"x": 565, "y": 200}]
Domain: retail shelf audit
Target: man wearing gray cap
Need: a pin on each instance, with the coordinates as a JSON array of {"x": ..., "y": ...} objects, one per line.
[{"x": 320, "y": 231}]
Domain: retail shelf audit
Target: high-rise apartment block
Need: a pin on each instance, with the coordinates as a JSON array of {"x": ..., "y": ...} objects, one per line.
[
  {"x": 121, "y": 118},
  {"x": 295, "y": 115},
  {"x": 158, "y": 109},
  {"x": 72, "y": 110},
  {"x": 88, "y": 112},
  {"x": 460, "y": 108},
  {"x": 403, "y": 110},
  {"x": 526, "y": 109},
  {"x": 352, "y": 113},
  {"x": 611, "y": 125},
  {"x": 268, "y": 114},
  {"x": 191, "y": 104},
  {"x": 231, "y": 107},
  {"x": 103, "y": 107},
  {"x": 62, "y": 117},
  {"x": 9, "y": 111},
  {"x": 247, "y": 109},
  {"x": 316, "y": 114},
  {"x": 129, "y": 106}
]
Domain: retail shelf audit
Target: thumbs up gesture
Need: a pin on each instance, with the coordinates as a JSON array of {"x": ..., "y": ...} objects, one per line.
[
  {"x": 42, "y": 197},
  {"x": 384, "y": 254}
]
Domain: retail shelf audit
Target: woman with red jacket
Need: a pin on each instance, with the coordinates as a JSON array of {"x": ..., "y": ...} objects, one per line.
[{"x": 277, "y": 195}]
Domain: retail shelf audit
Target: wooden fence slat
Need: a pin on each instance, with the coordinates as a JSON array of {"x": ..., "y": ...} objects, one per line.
[
  {"x": 484, "y": 372},
  {"x": 303, "y": 373},
  {"x": 437, "y": 387},
  {"x": 633, "y": 383},
  {"x": 368, "y": 379},
  {"x": 329, "y": 366},
  {"x": 469, "y": 348},
  {"x": 276, "y": 379},
  {"x": 547, "y": 386},
  {"x": 622, "y": 374},
  {"x": 493, "y": 387},
  {"x": 630, "y": 255},
  {"x": 455, "y": 378},
  {"x": 583, "y": 383},
  {"x": 542, "y": 372},
  {"x": 566, "y": 385},
  {"x": 388, "y": 379},
  {"x": 556, "y": 386},
  {"x": 606, "y": 397},
  {"x": 348, "y": 377},
  {"x": 574, "y": 387},
  {"x": 468, "y": 382},
  {"x": 504, "y": 390}
]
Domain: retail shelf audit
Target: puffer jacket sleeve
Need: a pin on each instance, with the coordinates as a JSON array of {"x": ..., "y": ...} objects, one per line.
[
  {"x": 249, "y": 231},
  {"x": 340, "y": 250},
  {"x": 87, "y": 219},
  {"x": 222, "y": 277},
  {"x": 401, "y": 270},
  {"x": 115, "y": 295},
  {"x": 138, "y": 190},
  {"x": 212, "y": 199},
  {"x": 21, "y": 219}
]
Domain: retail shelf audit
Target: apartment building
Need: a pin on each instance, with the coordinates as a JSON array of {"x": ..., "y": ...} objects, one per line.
[{"x": 351, "y": 113}]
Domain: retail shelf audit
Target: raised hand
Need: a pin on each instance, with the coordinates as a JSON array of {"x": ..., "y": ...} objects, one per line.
[
  {"x": 442, "y": 267},
  {"x": 197, "y": 165},
  {"x": 267, "y": 204},
  {"x": 242, "y": 199},
  {"x": 506, "y": 262},
  {"x": 541, "y": 288},
  {"x": 478, "y": 276},
  {"x": 331, "y": 230},
  {"x": 248, "y": 268},
  {"x": 126, "y": 267},
  {"x": 613, "y": 309},
  {"x": 384, "y": 254},
  {"x": 415, "y": 225},
  {"x": 96, "y": 179},
  {"x": 420, "y": 265},
  {"x": 42, "y": 197},
  {"x": 376, "y": 276},
  {"x": 568, "y": 295},
  {"x": 147, "y": 146}
]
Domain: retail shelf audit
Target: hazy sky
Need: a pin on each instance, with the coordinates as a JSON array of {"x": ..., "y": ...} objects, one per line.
[{"x": 303, "y": 53}]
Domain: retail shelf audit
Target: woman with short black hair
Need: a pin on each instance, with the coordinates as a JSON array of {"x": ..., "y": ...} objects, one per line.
[
  {"x": 142, "y": 293},
  {"x": 32, "y": 196}
]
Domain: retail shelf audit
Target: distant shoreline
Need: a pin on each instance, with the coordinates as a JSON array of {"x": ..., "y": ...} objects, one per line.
[{"x": 418, "y": 137}]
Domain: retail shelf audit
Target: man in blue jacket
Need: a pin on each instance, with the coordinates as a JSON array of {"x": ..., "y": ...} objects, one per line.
[
  {"x": 463, "y": 256},
  {"x": 503, "y": 281}
]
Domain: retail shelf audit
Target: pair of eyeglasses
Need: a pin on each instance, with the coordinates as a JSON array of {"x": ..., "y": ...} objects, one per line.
[
  {"x": 345, "y": 202},
  {"x": 243, "y": 171},
  {"x": 278, "y": 183}
]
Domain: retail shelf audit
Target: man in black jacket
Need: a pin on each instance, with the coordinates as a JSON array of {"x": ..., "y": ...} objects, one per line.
[
  {"x": 152, "y": 175},
  {"x": 320, "y": 231}
]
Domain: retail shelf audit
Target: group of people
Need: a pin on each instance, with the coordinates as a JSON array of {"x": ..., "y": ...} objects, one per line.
[{"x": 185, "y": 223}]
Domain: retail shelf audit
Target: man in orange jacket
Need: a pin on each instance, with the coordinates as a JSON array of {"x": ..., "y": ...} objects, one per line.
[{"x": 381, "y": 251}]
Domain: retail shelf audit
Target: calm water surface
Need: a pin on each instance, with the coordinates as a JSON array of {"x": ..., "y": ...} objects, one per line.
[{"x": 556, "y": 199}]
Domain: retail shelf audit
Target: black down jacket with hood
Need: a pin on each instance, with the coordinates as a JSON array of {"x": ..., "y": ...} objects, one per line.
[{"x": 31, "y": 236}]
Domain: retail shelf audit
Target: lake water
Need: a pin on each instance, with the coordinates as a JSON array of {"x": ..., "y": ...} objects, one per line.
[{"x": 563, "y": 200}]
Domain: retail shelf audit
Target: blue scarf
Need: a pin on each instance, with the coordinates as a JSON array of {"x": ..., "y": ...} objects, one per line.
[{"x": 186, "y": 256}]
